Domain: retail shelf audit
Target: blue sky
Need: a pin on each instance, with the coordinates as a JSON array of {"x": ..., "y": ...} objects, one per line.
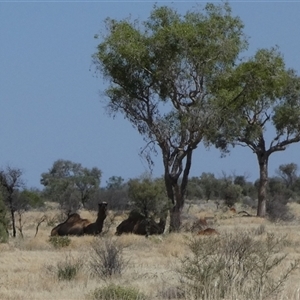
[{"x": 50, "y": 104}]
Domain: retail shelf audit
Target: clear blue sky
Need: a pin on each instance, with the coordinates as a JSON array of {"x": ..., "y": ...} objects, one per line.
[{"x": 50, "y": 104}]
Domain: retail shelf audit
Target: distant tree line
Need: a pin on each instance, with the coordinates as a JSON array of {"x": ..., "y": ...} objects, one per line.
[{"x": 73, "y": 187}]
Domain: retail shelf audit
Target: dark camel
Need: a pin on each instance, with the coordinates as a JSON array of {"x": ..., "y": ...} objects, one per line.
[
  {"x": 148, "y": 227},
  {"x": 136, "y": 223},
  {"x": 74, "y": 225},
  {"x": 96, "y": 227},
  {"x": 127, "y": 225}
]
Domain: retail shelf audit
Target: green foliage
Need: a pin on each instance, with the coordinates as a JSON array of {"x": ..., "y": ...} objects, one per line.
[
  {"x": 232, "y": 194},
  {"x": 209, "y": 185},
  {"x": 288, "y": 173},
  {"x": 148, "y": 196},
  {"x": 68, "y": 269},
  {"x": 163, "y": 74},
  {"x": 59, "y": 241},
  {"x": 10, "y": 184},
  {"x": 70, "y": 184},
  {"x": 235, "y": 265},
  {"x": 194, "y": 190},
  {"x": 116, "y": 292},
  {"x": 32, "y": 198},
  {"x": 114, "y": 182}
]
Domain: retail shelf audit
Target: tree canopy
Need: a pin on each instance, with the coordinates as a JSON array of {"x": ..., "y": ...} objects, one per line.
[
  {"x": 162, "y": 75},
  {"x": 262, "y": 94},
  {"x": 70, "y": 183}
]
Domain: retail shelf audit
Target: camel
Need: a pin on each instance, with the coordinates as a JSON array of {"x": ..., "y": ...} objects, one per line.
[
  {"x": 148, "y": 227},
  {"x": 198, "y": 225},
  {"x": 138, "y": 224},
  {"x": 75, "y": 225},
  {"x": 208, "y": 231},
  {"x": 232, "y": 209},
  {"x": 96, "y": 227},
  {"x": 127, "y": 225},
  {"x": 72, "y": 226}
]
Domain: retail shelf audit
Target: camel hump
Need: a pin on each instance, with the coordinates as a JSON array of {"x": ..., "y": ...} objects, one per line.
[
  {"x": 73, "y": 218},
  {"x": 208, "y": 231}
]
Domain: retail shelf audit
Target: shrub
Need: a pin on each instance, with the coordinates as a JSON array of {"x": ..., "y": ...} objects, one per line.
[
  {"x": 59, "y": 241},
  {"x": 107, "y": 258},
  {"x": 235, "y": 264},
  {"x": 277, "y": 209},
  {"x": 67, "y": 269},
  {"x": 116, "y": 292}
]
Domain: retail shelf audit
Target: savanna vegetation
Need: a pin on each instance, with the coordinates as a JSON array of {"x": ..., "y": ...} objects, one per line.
[{"x": 181, "y": 80}]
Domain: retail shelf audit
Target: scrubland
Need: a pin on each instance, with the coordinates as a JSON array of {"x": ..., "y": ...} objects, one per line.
[{"x": 28, "y": 265}]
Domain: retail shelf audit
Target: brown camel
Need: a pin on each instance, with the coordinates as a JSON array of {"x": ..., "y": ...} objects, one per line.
[
  {"x": 233, "y": 210},
  {"x": 74, "y": 225},
  {"x": 127, "y": 225},
  {"x": 137, "y": 223},
  {"x": 208, "y": 231},
  {"x": 96, "y": 227}
]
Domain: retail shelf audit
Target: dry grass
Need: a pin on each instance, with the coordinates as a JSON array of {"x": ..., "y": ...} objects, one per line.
[{"x": 25, "y": 263}]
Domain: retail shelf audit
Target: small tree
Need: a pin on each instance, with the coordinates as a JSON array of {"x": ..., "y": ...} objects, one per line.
[
  {"x": 70, "y": 184},
  {"x": 288, "y": 173},
  {"x": 209, "y": 185},
  {"x": 148, "y": 196},
  {"x": 10, "y": 182},
  {"x": 265, "y": 94}
]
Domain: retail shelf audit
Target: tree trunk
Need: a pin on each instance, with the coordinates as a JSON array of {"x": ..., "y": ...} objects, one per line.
[
  {"x": 176, "y": 192},
  {"x": 175, "y": 212},
  {"x": 263, "y": 181},
  {"x": 13, "y": 222}
]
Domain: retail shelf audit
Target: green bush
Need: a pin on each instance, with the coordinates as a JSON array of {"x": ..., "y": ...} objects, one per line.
[
  {"x": 116, "y": 292},
  {"x": 237, "y": 266},
  {"x": 59, "y": 241},
  {"x": 68, "y": 269}
]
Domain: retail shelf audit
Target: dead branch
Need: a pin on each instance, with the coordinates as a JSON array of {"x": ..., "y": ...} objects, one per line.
[{"x": 39, "y": 223}]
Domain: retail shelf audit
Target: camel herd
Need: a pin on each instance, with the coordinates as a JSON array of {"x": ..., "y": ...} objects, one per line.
[{"x": 136, "y": 223}]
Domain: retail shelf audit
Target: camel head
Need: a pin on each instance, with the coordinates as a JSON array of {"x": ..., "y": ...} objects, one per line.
[{"x": 102, "y": 210}]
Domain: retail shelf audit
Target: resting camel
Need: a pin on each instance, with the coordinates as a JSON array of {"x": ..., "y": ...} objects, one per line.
[
  {"x": 148, "y": 227},
  {"x": 96, "y": 227},
  {"x": 137, "y": 223},
  {"x": 127, "y": 225},
  {"x": 208, "y": 231},
  {"x": 74, "y": 225}
]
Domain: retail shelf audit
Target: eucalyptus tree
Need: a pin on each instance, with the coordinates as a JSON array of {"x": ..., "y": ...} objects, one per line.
[
  {"x": 10, "y": 183},
  {"x": 162, "y": 75},
  {"x": 288, "y": 173},
  {"x": 70, "y": 183},
  {"x": 148, "y": 196},
  {"x": 266, "y": 102}
]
